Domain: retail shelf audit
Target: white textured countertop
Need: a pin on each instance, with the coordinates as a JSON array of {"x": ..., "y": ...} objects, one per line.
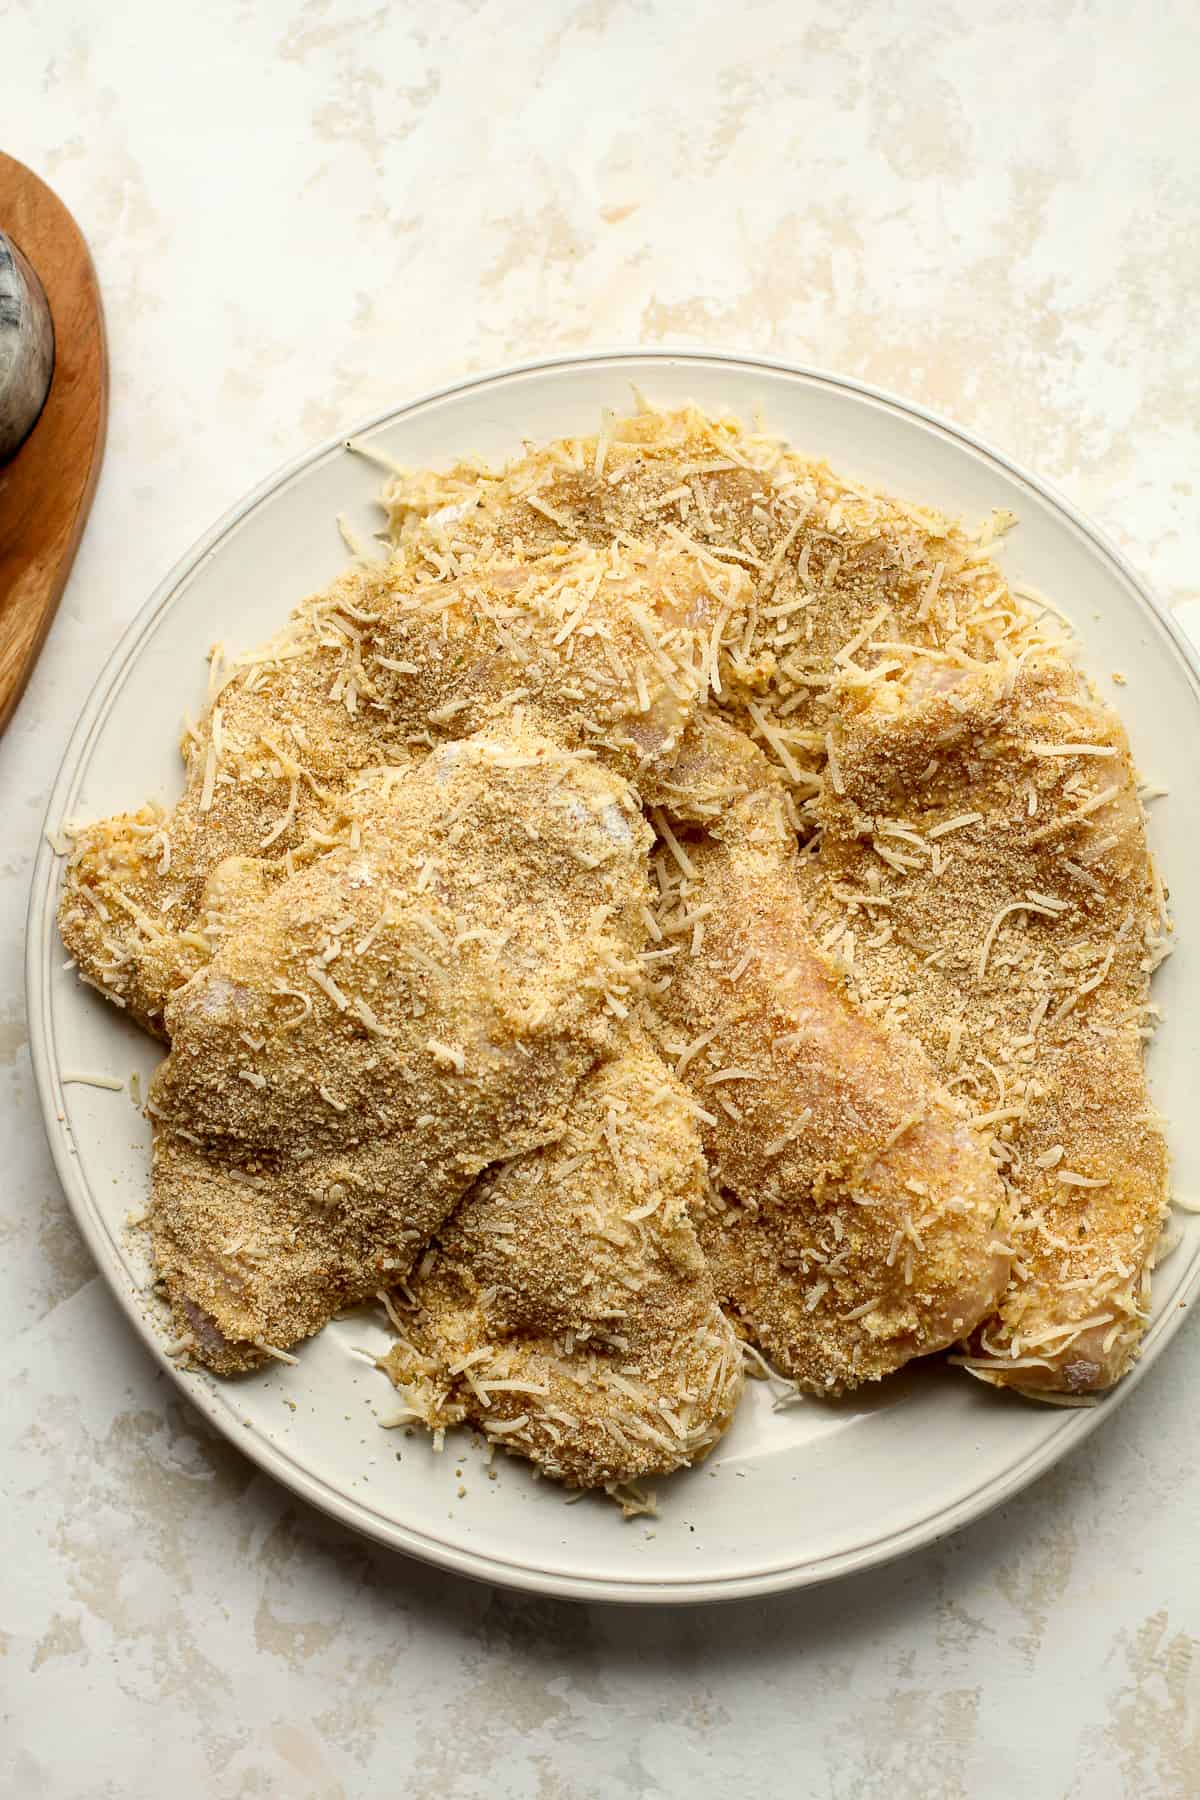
[{"x": 300, "y": 215}]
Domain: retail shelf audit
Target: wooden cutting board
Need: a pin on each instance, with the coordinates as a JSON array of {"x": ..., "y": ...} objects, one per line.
[{"x": 46, "y": 489}]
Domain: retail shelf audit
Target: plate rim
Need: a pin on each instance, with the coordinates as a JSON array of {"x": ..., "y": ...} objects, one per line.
[{"x": 1076, "y": 1424}]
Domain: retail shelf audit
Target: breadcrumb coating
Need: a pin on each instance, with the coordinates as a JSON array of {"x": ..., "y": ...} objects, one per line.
[
  {"x": 395, "y": 1018},
  {"x": 608, "y": 650},
  {"x": 1011, "y": 924},
  {"x": 855, "y": 1221},
  {"x": 566, "y": 1309}
]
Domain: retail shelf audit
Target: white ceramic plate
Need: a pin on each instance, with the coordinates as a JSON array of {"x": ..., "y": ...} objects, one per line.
[{"x": 790, "y": 1497}]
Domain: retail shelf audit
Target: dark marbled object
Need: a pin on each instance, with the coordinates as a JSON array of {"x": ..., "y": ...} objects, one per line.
[{"x": 26, "y": 348}]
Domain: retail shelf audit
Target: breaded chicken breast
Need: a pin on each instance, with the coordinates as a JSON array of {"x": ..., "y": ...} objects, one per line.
[
  {"x": 417, "y": 1005},
  {"x": 566, "y": 1309},
  {"x": 985, "y": 850},
  {"x": 855, "y": 1220},
  {"x": 610, "y": 651}
]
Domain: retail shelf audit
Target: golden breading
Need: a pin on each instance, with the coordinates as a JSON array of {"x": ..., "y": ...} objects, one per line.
[
  {"x": 612, "y": 650},
  {"x": 138, "y": 937},
  {"x": 832, "y": 565},
  {"x": 984, "y": 870},
  {"x": 112, "y": 917},
  {"x": 566, "y": 1310},
  {"x": 416, "y": 1005},
  {"x": 855, "y": 1221}
]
